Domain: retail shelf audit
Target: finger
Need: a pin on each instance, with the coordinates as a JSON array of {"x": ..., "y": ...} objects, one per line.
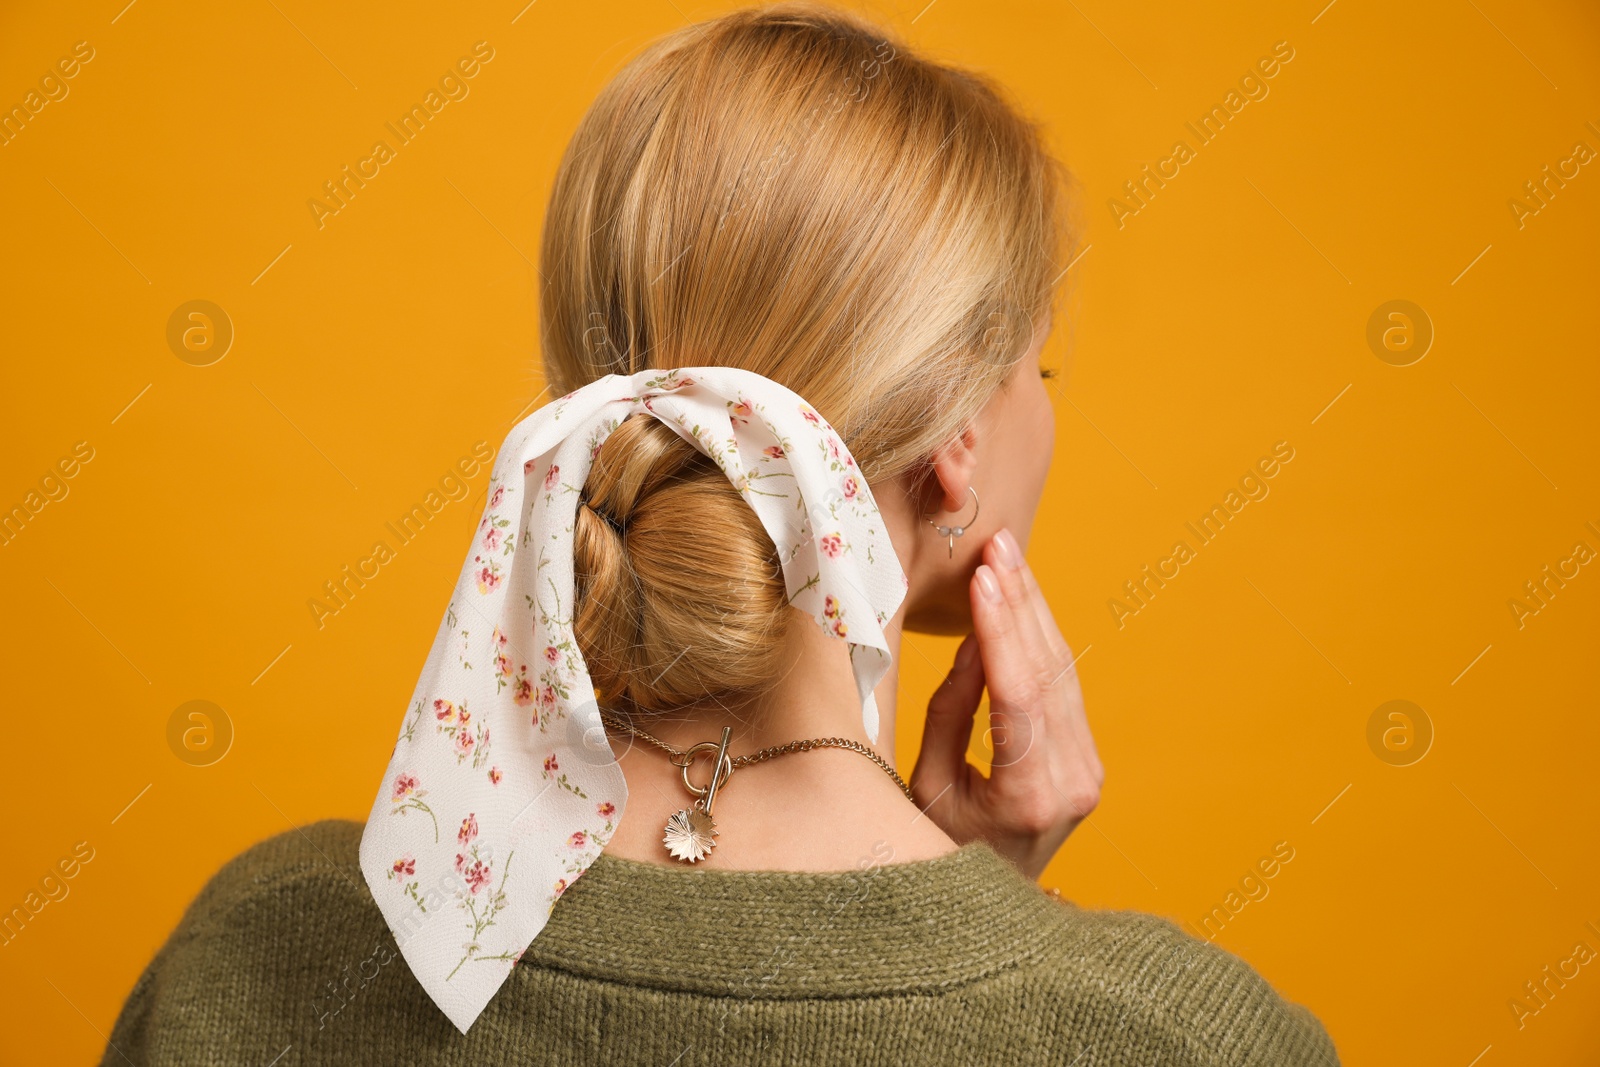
[
  {"x": 1056, "y": 734},
  {"x": 1001, "y": 645},
  {"x": 1029, "y": 634},
  {"x": 1061, "y": 656},
  {"x": 1047, "y": 620},
  {"x": 1076, "y": 734},
  {"x": 1014, "y": 692},
  {"x": 1057, "y": 659},
  {"x": 942, "y": 759},
  {"x": 1013, "y": 659}
]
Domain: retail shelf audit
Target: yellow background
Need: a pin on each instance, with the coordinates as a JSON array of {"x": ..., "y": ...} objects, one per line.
[{"x": 1228, "y": 314}]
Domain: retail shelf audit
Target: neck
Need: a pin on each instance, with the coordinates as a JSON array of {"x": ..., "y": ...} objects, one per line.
[
  {"x": 821, "y": 809},
  {"x": 848, "y": 808}
]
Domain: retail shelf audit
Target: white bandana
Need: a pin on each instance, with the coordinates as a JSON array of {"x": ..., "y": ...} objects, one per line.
[{"x": 503, "y": 787}]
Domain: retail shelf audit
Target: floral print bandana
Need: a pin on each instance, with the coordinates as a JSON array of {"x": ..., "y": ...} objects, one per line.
[{"x": 503, "y": 788}]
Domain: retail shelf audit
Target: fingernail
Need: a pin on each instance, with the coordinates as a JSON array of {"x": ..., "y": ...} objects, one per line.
[
  {"x": 987, "y": 584},
  {"x": 964, "y": 654},
  {"x": 1006, "y": 547}
]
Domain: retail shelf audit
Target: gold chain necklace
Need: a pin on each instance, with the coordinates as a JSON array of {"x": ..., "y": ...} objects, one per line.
[{"x": 690, "y": 832}]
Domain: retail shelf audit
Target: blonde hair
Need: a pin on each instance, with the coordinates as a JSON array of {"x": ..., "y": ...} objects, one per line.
[{"x": 790, "y": 190}]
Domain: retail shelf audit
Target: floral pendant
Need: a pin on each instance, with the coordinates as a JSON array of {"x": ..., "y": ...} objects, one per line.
[{"x": 690, "y": 834}]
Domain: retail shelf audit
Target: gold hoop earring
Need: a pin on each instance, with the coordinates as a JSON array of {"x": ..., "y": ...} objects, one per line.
[{"x": 953, "y": 532}]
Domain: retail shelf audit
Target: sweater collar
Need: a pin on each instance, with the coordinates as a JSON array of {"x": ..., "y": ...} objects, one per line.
[{"x": 888, "y": 928}]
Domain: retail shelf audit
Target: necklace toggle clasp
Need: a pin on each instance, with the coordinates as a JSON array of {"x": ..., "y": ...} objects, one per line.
[{"x": 722, "y": 769}]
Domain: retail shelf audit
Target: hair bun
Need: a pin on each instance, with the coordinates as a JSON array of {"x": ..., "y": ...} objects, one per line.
[{"x": 679, "y": 595}]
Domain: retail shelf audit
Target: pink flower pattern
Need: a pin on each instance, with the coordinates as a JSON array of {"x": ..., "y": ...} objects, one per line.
[
  {"x": 477, "y": 876},
  {"x": 488, "y": 575},
  {"x": 467, "y": 741},
  {"x": 403, "y": 868},
  {"x": 407, "y": 797}
]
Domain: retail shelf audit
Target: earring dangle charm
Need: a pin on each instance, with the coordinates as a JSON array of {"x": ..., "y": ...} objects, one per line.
[
  {"x": 691, "y": 831},
  {"x": 953, "y": 532}
]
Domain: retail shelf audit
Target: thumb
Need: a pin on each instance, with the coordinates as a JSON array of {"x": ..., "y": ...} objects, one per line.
[{"x": 948, "y": 729}]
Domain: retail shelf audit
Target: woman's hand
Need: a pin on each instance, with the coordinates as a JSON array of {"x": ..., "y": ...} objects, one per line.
[{"x": 1045, "y": 777}]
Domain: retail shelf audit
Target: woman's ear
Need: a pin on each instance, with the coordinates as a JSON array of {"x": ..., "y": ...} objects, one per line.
[{"x": 953, "y": 466}]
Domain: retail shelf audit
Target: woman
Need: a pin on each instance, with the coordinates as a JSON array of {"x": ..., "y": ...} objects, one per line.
[{"x": 790, "y": 202}]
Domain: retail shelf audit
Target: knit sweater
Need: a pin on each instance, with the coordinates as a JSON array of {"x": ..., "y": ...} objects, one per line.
[{"x": 284, "y": 959}]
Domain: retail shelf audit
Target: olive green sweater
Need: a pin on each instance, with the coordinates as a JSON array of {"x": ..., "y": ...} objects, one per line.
[{"x": 284, "y": 959}]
